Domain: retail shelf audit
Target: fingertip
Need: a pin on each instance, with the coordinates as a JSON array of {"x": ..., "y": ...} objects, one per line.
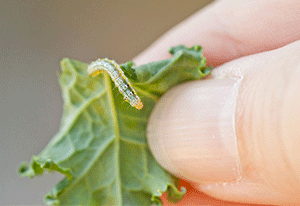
[
  {"x": 191, "y": 131},
  {"x": 256, "y": 97}
]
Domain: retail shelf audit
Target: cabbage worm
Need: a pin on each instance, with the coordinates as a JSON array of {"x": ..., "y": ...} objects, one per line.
[{"x": 118, "y": 77}]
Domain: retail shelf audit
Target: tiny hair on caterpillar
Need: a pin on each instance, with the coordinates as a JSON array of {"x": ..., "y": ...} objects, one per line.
[{"x": 118, "y": 77}]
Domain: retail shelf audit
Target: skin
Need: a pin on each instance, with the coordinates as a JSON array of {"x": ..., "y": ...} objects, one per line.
[{"x": 228, "y": 31}]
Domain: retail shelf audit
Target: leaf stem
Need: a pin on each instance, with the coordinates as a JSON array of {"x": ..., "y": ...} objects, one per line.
[{"x": 117, "y": 134}]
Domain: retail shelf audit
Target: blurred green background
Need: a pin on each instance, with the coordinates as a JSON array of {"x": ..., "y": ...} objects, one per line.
[{"x": 34, "y": 36}]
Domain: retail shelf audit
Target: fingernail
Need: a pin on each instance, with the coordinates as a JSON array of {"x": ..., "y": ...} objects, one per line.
[{"x": 191, "y": 131}]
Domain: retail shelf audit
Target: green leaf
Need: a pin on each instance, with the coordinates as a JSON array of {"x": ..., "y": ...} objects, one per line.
[
  {"x": 129, "y": 71},
  {"x": 101, "y": 147}
]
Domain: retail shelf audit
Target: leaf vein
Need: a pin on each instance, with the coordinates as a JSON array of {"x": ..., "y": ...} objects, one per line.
[
  {"x": 65, "y": 130},
  {"x": 132, "y": 142},
  {"x": 117, "y": 134},
  {"x": 91, "y": 163}
]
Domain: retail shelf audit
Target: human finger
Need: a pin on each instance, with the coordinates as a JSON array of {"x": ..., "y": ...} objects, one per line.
[
  {"x": 236, "y": 135},
  {"x": 231, "y": 29}
]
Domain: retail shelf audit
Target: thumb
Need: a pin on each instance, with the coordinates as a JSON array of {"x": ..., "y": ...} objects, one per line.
[{"x": 236, "y": 134}]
